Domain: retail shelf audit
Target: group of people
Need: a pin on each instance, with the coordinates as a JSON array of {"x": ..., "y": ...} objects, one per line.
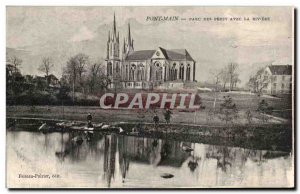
[{"x": 167, "y": 114}]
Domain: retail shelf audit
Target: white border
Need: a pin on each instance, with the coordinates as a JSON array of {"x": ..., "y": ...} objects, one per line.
[{"x": 4, "y": 3}]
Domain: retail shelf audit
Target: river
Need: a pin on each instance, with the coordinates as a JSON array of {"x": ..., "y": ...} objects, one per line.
[{"x": 120, "y": 161}]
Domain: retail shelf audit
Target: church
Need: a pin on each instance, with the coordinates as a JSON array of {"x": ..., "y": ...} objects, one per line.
[{"x": 146, "y": 69}]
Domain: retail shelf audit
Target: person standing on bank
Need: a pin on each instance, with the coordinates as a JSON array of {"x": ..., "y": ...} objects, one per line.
[
  {"x": 156, "y": 120},
  {"x": 168, "y": 115},
  {"x": 89, "y": 120}
]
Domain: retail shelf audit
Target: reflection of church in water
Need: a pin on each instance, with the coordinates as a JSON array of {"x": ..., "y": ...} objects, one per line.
[{"x": 128, "y": 68}]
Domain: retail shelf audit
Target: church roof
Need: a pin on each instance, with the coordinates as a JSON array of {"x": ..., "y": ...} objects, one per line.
[
  {"x": 140, "y": 55},
  {"x": 177, "y": 54},
  {"x": 281, "y": 69},
  {"x": 172, "y": 54}
]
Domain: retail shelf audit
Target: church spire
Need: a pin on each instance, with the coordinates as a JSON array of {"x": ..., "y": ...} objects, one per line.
[
  {"x": 124, "y": 46},
  {"x": 113, "y": 42},
  {"x": 115, "y": 29},
  {"x": 129, "y": 42},
  {"x": 129, "y": 35}
]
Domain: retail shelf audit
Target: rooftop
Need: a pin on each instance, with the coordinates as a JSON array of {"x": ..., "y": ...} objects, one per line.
[
  {"x": 172, "y": 54},
  {"x": 281, "y": 69}
]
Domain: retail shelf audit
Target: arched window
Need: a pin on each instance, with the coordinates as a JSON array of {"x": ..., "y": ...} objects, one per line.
[
  {"x": 126, "y": 72},
  {"x": 143, "y": 73},
  {"x": 188, "y": 72},
  {"x": 158, "y": 71},
  {"x": 165, "y": 73},
  {"x": 181, "y": 71},
  {"x": 173, "y": 72},
  {"x": 140, "y": 72},
  {"x": 117, "y": 68},
  {"x": 109, "y": 69},
  {"x": 132, "y": 72}
]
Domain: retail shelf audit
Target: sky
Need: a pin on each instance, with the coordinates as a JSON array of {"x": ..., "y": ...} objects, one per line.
[{"x": 61, "y": 32}]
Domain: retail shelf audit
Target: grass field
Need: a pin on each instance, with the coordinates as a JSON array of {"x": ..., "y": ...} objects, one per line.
[{"x": 282, "y": 111}]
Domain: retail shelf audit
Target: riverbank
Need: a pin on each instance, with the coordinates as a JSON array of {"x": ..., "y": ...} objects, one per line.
[
  {"x": 262, "y": 137},
  {"x": 79, "y": 113}
]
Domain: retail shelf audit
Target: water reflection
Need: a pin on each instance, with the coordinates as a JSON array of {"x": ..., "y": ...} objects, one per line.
[{"x": 112, "y": 160}]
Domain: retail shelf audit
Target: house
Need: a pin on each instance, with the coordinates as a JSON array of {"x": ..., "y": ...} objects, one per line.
[
  {"x": 276, "y": 79},
  {"x": 53, "y": 81},
  {"x": 43, "y": 82}
]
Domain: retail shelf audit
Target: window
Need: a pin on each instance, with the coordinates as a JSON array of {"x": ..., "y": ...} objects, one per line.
[
  {"x": 143, "y": 73},
  {"x": 181, "y": 72},
  {"x": 274, "y": 86},
  {"x": 109, "y": 69},
  {"x": 188, "y": 72},
  {"x": 283, "y": 78},
  {"x": 282, "y": 86},
  {"x": 157, "y": 71},
  {"x": 126, "y": 72},
  {"x": 173, "y": 72},
  {"x": 140, "y": 72},
  {"x": 117, "y": 68},
  {"x": 132, "y": 72},
  {"x": 274, "y": 78}
]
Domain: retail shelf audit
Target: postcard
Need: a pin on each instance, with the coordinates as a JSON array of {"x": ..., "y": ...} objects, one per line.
[{"x": 150, "y": 97}]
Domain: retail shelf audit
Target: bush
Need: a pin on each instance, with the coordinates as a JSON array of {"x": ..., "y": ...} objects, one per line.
[
  {"x": 264, "y": 108},
  {"x": 228, "y": 110}
]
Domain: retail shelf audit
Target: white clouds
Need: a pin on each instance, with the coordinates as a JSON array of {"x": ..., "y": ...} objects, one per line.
[{"x": 83, "y": 34}]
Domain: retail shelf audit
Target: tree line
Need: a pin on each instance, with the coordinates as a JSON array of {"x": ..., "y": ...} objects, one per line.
[
  {"x": 80, "y": 74},
  {"x": 226, "y": 77}
]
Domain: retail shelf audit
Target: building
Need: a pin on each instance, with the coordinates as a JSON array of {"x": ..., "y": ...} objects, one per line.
[
  {"x": 128, "y": 68},
  {"x": 52, "y": 81},
  {"x": 277, "y": 79}
]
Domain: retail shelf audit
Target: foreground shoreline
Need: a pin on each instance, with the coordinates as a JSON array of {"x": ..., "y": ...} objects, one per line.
[{"x": 262, "y": 137}]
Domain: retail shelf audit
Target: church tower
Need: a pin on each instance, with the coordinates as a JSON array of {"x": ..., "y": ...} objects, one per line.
[
  {"x": 128, "y": 43},
  {"x": 113, "y": 52}
]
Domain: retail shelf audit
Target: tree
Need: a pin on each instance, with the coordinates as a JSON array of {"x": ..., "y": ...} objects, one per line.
[
  {"x": 16, "y": 62},
  {"x": 105, "y": 81},
  {"x": 94, "y": 76},
  {"x": 249, "y": 116},
  {"x": 224, "y": 77},
  {"x": 210, "y": 115},
  {"x": 82, "y": 61},
  {"x": 264, "y": 108},
  {"x": 252, "y": 83},
  {"x": 236, "y": 80},
  {"x": 46, "y": 67},
  {"x": 228, "y": 110},
  {"x": 13, "y": 74},
  {"x": 71, "y": 70},
  {"x": 216, "y": 76},
  {"x": 258, "y": 81},
  {"x": 232, "y": 74},
  {"x": 75, "y": 68}
]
